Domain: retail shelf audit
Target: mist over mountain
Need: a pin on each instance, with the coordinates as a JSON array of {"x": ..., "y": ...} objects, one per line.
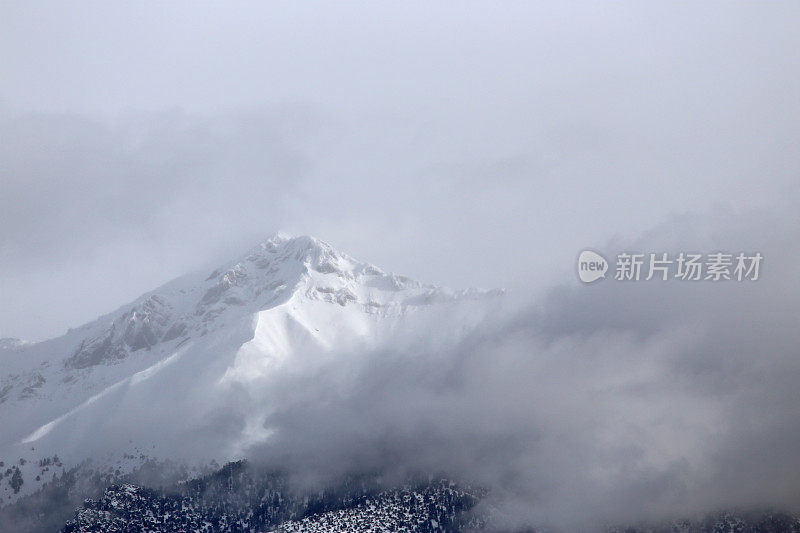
[
  {"x": 598, "y": 405},
  {"x": 189, "y": 372},
  {"x": 421, "y": 347}
]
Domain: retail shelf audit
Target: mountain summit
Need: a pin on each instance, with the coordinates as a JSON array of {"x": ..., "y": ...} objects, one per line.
[{"x": 185, "y": 371}]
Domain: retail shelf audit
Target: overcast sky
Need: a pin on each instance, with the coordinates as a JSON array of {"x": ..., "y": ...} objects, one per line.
[{"x": 457, "y": 143}]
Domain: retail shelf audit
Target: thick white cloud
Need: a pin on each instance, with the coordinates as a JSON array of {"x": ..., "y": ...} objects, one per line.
[{"x": 603, "y": 404}]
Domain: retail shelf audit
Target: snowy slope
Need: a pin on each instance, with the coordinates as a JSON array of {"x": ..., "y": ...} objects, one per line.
[{"x": 182, "y": 371}]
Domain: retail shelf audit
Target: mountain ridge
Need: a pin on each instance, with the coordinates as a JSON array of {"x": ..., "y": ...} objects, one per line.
[{"x": 199, "y": 338}]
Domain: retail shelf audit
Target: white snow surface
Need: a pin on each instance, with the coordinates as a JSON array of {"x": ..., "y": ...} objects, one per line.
[{"x": 160, "y": 377}]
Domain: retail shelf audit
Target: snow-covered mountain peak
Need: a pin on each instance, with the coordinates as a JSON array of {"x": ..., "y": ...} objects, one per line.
[
  {"x": 314, "y": 254},
  {"x": 187, "y": 347},
  {"x": 280, "y": 269},
  {"x": 306, "y": 267}
]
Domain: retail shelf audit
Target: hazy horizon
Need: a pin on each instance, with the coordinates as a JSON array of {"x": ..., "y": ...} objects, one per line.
[{"x": 457, "y": 144}]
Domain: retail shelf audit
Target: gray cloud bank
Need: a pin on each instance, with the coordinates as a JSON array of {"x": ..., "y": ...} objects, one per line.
[
  {"x": 429, "y": 140},
  {"x": 597, "y": 405}
]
